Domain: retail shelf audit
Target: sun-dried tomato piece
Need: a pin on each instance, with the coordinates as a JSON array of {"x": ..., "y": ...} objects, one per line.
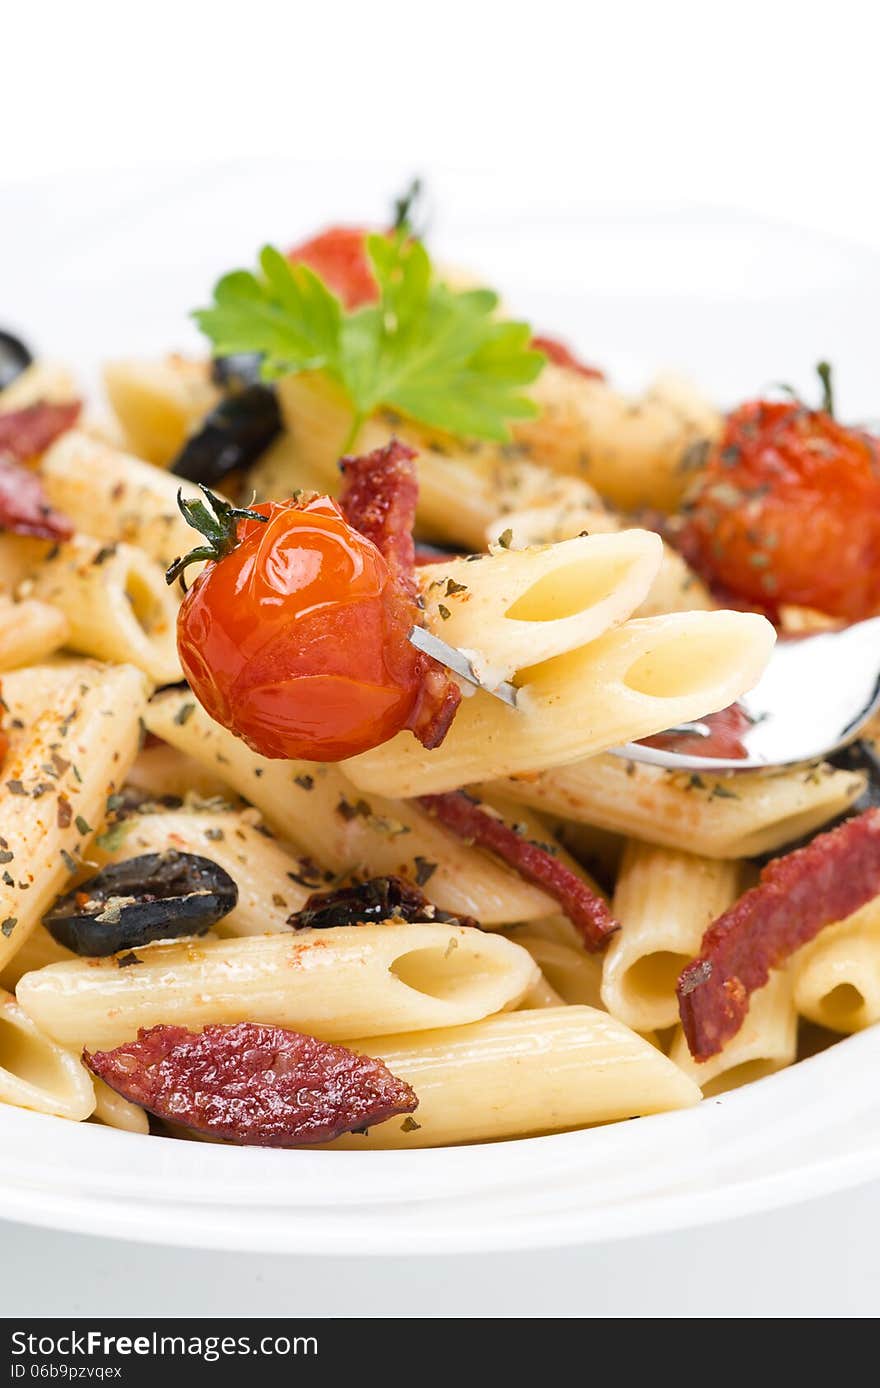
[
  {"x": 379, "y": 899},
  {"x": 561, "y": 355},
  {"x": 26, "y": 433},
  {"x": 259, "y": 1086},
  {"x": 533, "y": 861},
  {"x": 24, "y": 508},
  {"x": 379, "y": 500},
  {"x": 796, "y": 897}
]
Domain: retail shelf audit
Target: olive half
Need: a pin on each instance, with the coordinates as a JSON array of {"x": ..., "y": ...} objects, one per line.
[
  {"x": 14, "y": 358},
  {"x": 232, "y": 436},
  {"x": 158, "y": 896},
  {"x": 379, "y": 899}
]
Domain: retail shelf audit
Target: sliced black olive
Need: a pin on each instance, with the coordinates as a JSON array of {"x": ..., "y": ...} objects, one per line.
[
  {"x": 238, "y": 370},
  {"x": 379, "y": 899},
  {"x": 158, "y": 896},
  {"x": 233, "y": 436},
  {"x": 14, "y": 358}
]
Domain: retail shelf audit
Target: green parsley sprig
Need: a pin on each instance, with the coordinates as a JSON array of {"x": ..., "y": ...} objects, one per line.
[{"x": 437, "y": 355}]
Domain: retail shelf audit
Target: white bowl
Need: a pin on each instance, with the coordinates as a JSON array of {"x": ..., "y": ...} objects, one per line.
[{"x": 737, "y": 303}]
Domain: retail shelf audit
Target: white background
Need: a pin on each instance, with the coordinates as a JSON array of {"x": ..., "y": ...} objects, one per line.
[{"x": 769, "y": 107}]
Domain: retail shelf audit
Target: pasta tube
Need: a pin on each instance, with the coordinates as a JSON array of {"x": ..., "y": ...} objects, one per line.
[
  {"x": 634, "y": 452},
  {"x": 54, "y": 791},
  {"x": 35, "y": 1072},
  {"x": 665, "y": 900},
  {"x": 115, "y": 1112},
  {"x": 117, "y": 497},
  {"x": 522, "y": 1073},
  {"x": 316, "y": 808},
  {"x": 517, "y": 608},
  {"x": 42, "y": 380},
  {"x": 348, "y": 980},
  {"x": 29, "y": 632},
  {"x": 837, "y": 975},
  {"x": 159, "y": 403},
  {"x": 572, "y": 973},
  {"x": 738, "y": 816},
  {"x": 766, "y": 1042},
  {"x": 116, "y": 602},
  {"x": 649, "y": 674}
]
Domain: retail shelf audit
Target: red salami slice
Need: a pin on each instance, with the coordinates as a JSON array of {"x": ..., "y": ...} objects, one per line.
[
  {"x": 24, "y": 508},
  {"x": 28, "y": 432},
  {"x": 258, "y": 1086},
  {"x": 379, "y": 499},
  {"x": 533, "y": 861},
  {"x": 797, "y": 896}
]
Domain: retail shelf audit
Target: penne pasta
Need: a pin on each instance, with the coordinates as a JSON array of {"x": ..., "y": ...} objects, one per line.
[
  {"x": 116, "y": 497},
  {"x": 519, "y": 1074},
  {"x": 316, "y": 808},
  {"x": 29, "y": 632},
  {"x": 767, "y": 1042},
  {"x": 55, "y": 788},
  {"x": 35, "y": 1072},
  {"x": 837, "y": 975},
  {"x": 35, "y": 952},
  {"x": 665, "y": 900},
  {"x": 42, "y": 380},
  {"x": 328, "y": 983},
  {"x": 541, "y": 994},
  {"x": 160, "y": 771},
  {"x": 716, "y": 816},
  {"x": 270, "y": 878},
  {"x": 647, "y": 675},
  {"x": 116, "y": 603},
  {"x": 115, "y": 1112},
  {"x": 574, "y": 975},
  {"x": 159, "y": 403},
  {"x": 517, "y": 608},
  {"x": 634, "y": 452}
]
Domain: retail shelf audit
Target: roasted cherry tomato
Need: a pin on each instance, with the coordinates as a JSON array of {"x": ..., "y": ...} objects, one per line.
[
  {"x": 296, "y": 638},
  {"x": 787, "y": 510},
  {"x": 339, "y": 256}
]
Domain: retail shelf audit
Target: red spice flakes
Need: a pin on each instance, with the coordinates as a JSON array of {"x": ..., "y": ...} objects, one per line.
[
  {"x": 533, "y": 861},
  {"x": 797, "y": 896},
  {"x": 258, "y": 1086}
]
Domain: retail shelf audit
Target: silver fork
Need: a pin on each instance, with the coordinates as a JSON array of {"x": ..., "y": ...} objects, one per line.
[{"x": 815, "y": 696}]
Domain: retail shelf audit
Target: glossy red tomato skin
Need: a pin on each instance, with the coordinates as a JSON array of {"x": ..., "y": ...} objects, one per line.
[
  {"x": 787, "y": 511},
  {"x": 297, "y": 640},
  {"x": 339, "y": 256}
]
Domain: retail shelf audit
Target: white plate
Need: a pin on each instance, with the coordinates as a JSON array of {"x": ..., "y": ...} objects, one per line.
[{"x": 91, "y": 269}]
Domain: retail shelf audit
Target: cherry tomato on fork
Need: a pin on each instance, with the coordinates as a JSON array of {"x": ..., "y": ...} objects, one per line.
[
  {"x": 787, "y": 510},
  {"x": 295, "y": 637}
]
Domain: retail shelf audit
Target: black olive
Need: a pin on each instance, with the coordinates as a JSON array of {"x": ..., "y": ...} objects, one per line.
[
  {"x": 14, "y": 357},
  {"x": 379, "y": 899},
  {"x": 233, "y": 436},
  {"x": 158, "y": 896},
  {"x": 238, "y": 370}
]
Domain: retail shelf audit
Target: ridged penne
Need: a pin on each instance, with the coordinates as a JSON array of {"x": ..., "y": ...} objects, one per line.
[
  {"x": 159, "y": 403},
  {"x": 837, "y": 975},
  {"x": 572, "y": 973},
  {"x": 645, "y": 676},
  {"x": 272, "y": 882},
  {"x": 736, "y": 816},
  {"x": 37, "y": 1073},
  {"x": 517, "y": 608},
  {"x": 522, "y": 1073},
  {"x": 634, "y": 452},
  {"x": 116, "y": 603},
  {"x": 55, "y": 787},
  {"x": 665, "y": 900},
  {"x": 116, "y": 497},
  {"x": 766, "y": 1042},
  {"x": 316, "y": 808},
  {"x": 328, "y": 983}
]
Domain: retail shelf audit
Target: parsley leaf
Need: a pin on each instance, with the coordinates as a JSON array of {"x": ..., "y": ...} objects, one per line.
[{"x": 438, "y": 355}]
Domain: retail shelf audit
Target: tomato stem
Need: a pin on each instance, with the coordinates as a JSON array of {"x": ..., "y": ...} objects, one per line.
[
  {"x": 823, "y": 370},
  {"x": 218, "y": 522}
]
